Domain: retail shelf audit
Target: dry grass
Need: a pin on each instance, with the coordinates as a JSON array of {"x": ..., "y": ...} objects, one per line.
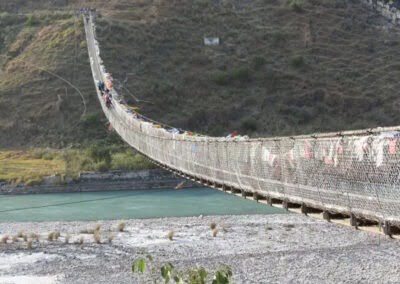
[
  {"x": 53, "y": 236},
  {"x": 15, "y": 239},
  {"x": 97, "y": 228},
  {"x": 171, "y": 235},
  {"x": 213, "y": 226},
  {"x": 121, "y": 226},
  {"x": 97, "y": 237},
  {"x": 5, "y": 239},
  {"x": 214, "y": 232},
  {"x": 23, "y": 166}
]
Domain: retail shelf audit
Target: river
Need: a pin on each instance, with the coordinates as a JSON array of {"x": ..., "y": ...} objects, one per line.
[{"x": 112, "y": 205}]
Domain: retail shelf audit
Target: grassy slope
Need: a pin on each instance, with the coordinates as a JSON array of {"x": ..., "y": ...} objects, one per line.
[
  {"x": 36, "y": 108},
  {"x": 328, "y": 66},
  {"x": 30, "y": 166}
]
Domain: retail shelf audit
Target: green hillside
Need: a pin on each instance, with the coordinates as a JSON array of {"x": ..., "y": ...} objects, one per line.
[{"x": 282, "y": 67}]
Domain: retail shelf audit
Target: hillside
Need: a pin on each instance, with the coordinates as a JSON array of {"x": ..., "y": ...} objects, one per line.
[{"x": 282, "y": 67}]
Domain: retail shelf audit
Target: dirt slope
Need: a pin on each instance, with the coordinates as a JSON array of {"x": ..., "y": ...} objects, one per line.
[{"x": 282, "y": 67}]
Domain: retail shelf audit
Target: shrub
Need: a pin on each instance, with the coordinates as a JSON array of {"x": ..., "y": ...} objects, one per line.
[
  {"x": 197, "y": 275},
  {"x": 121, "y": 226},
  {"x": 50, "y": 237},
  {"x": 296, "y": 5},
  {"x": 91, "y": 119},
  {"x": 214, "y": 232},
  {"x": 249, "y": 124},
  {"x": 297, "y": 61},
  {"x": 241, "y": 74},
  {"x": 100, "y": 153},
  {"x": 220, "y": 78},
  {"x": 171, "y": 235},
  {"x": 213, "y": 226},
  {"x": 96, "y": 237},
  {"x": 32, "y": 21}
]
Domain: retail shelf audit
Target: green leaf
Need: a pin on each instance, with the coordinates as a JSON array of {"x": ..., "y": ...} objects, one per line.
[{"x": 141, "y": 265}]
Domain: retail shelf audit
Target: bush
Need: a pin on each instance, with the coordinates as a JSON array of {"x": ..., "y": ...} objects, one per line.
[
  {"x": 249, "y": 124},
  {"x": 297, "y": 61},
  {"x": 241, "y": 74},
  {"x": 129, "y": 160},
  {"x": 31, "y": 21},
  {"x": 220, "y": 78},
  {"x": 121, "y": 226},
  {"x": 91, "y": 119},
  {"x": 296, "y": 5}
]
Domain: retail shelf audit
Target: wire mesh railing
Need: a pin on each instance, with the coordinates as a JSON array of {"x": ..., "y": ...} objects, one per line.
[{"x": 352, "y": 172}]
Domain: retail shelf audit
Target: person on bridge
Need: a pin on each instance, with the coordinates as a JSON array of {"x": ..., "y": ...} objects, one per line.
[
  {"x": 107, "y": 100},
  {"x": 100, "y": 86}
]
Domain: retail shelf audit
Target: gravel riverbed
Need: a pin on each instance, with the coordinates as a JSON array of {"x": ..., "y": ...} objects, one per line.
[{"x": 259, "y": 249}]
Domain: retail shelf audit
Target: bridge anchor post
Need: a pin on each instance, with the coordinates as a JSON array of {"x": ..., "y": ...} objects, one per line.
[
  {"x": 285, "y": 205},
  {"x": 353, "y": 221},
  {"x": 304, "y": 209},
  {"x": 387, "y": 228},
  {"x": 326, "y": 215},
  {"x": 256, "y": 196}
]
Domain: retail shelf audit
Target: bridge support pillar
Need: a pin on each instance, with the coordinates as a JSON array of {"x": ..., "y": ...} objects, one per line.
[
  {"x": 285, "y": 205},
  {"x": 256, "y": 196},
  {"x": 387, "y": 228},
  {"x": 353, "y": 221},
  {"x": 304, "y": 209},
  {"x": 326, "y": 215}
]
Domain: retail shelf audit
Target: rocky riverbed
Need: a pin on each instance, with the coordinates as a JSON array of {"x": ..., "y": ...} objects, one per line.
[{"x": 258, "y": 248}]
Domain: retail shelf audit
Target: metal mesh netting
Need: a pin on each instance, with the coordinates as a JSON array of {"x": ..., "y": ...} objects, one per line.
[{"x": 351, "y": 172}]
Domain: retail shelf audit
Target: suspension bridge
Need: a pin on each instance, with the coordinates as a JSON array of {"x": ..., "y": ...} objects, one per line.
[{"x": 354, "y": 173}]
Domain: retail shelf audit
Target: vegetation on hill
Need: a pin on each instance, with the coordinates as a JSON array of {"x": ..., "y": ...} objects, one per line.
[
  {"x": 283, "y": 67},
  {"x": 32, "y": 165}
]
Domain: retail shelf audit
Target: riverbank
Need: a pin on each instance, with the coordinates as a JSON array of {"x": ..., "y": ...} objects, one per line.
[
  {"x": 108, "y": 181},
  {"x": 258, "y": 248}
]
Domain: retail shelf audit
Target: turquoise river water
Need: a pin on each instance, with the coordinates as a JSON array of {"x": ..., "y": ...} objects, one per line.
[{"x": 126, "y": 204}]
